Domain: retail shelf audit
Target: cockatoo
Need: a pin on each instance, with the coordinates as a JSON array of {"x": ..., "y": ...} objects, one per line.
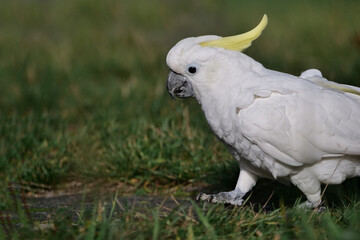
[{"x": 304, "y": 129}]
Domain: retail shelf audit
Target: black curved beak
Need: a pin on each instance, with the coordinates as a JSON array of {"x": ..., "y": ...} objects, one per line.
[{"x": 179, "y": 86}]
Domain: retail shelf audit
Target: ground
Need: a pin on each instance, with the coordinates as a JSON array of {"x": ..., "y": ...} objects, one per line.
[{"x": 115, "y": 211}]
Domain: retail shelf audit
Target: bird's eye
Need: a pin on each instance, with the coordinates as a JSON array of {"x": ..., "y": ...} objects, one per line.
[{"x": 192, "y": 69}]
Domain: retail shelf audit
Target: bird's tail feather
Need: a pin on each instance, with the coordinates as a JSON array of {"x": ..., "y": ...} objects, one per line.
[{"x": 316, "y": 77}]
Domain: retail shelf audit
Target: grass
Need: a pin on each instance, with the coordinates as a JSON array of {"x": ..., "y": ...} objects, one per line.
[
  {"x": 194, "y": 221},
  {"x": 82, "y": 98}
]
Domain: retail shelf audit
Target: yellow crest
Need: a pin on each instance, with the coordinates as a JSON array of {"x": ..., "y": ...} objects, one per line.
[{"x": 238, "y": 42}]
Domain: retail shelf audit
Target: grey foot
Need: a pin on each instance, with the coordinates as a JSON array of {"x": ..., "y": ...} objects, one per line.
[
  {"x": 233, "y": 197},
  {"x": 312, "y": 206}
]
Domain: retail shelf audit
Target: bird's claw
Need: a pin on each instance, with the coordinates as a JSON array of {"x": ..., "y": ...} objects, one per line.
[
  {"x": 312, "y": 206},
  {"x": 222, "y": 197}
]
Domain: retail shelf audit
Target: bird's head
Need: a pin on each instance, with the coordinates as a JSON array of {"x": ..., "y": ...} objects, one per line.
[{"x": 194, "y": 62}]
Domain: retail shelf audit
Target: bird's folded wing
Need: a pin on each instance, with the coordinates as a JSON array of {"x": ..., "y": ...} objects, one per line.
[{"x": 303, "y": 127}]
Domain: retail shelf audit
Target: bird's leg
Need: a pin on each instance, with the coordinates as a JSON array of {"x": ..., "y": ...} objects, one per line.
[
  {"x": 244, "y": 184},
  {"x": 311, "y": 187}
]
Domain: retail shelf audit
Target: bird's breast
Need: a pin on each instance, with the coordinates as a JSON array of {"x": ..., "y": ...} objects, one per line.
[{"x": 225, "y": 126}]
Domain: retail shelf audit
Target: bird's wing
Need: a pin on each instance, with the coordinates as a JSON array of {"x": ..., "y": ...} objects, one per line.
[{"x": 304, "y": 126}]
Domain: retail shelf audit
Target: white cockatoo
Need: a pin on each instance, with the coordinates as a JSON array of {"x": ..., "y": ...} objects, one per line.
[{"x": 302, "y": 129}]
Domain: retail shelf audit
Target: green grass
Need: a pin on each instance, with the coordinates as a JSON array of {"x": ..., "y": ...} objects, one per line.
[
  {"x": 83, "y": 98},
  {"x": 195, "y": 221}
]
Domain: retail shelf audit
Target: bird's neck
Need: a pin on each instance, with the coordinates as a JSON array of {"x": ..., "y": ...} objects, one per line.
[
  {"x": 217, "y": 108},
  {"x": 229, "y": 93}
]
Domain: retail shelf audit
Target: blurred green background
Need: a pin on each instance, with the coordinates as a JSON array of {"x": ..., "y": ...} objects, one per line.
[{"x": 82, "y": 83}]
